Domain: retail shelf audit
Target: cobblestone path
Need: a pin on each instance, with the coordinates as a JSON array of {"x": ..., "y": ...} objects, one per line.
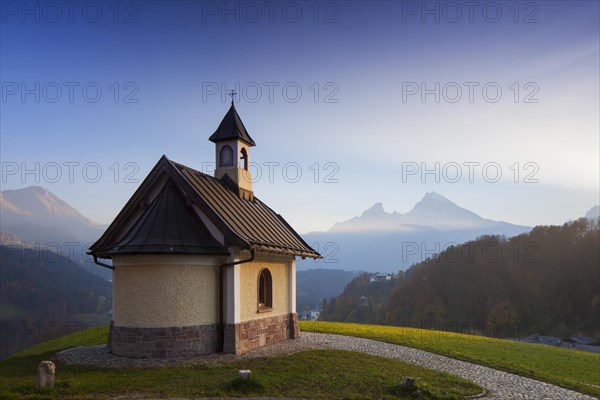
[{"x": 499, "y": 384}]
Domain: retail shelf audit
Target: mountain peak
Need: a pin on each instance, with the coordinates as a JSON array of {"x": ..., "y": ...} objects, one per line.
[
  {"x": 433, "y": 211},
  {"x": 434, "y": 202},
  {"x": 38, "y": 215},
  {"x": 34, "y": 188},
  {"x": 594, "y": 212},
  {"x": 436, "y": 209},
  {"x": 375, "y": 210},
  {"x": 435, "y": 197},
  {"x": 39, "y": 201}
]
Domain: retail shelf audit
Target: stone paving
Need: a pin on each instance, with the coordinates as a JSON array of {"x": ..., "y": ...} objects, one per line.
[{"x": 498, "y": 384}]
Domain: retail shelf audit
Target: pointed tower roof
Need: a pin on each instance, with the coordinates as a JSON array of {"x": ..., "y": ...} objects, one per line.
[{"x": 231, "y": 127}]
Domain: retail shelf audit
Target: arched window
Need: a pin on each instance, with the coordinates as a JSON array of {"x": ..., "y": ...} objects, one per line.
[
  {"x": 226, "y": 156},
  {"x": 244, "y": 159},
  {"x": 265, "y": 290}
]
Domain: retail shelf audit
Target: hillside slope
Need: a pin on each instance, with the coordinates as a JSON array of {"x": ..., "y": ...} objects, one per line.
[
  {"x": 546, "y": 281},
  {"x": 315, "y": 285},
  {"x": 44, "y": 295}
]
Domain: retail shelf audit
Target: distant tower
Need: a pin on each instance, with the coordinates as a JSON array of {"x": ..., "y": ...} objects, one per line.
[{"x": 232, "y": 152}]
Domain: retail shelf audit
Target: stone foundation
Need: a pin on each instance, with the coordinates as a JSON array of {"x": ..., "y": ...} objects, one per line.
[
  {"x": 200, "y": 339},
  {"x": 163, "y": 342},
  {"x": 245, "y": 336}
]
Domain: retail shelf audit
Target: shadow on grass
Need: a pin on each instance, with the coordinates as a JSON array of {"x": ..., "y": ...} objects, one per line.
[
  {"x": 419, "y": 392},
  {"x": 31, "y": 392},
  {"x": 245, "y": 386}
]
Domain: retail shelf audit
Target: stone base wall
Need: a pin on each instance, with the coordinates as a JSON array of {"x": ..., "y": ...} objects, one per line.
[
  {"x": 245, "y": 336},
  {"x": 163, "y": 342}
]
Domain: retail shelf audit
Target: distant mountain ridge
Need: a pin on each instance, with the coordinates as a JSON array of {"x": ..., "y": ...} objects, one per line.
[
  {"x": 25, "y": 210},
  {"x": 432, "y": 211},
  {"x": 39, "y": 202},
  {"x": 378, "y": 241},
  {"x": 37, "y": 216}
]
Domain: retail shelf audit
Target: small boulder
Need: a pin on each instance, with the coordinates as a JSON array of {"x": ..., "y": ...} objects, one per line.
[{"x": 45, "y": 375}]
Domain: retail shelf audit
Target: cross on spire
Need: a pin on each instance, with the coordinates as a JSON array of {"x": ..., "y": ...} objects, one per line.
[{"x": 232, "y": 94}]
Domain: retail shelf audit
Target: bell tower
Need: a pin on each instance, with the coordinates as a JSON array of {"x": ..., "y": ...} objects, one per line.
[{"x": 232, "y": 153}]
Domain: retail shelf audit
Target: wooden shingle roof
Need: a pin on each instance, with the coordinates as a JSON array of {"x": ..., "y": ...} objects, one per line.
[{"x": 188, "y": 208}]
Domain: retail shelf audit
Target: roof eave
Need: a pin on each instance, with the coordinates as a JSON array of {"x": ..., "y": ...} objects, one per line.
[
  {"x": 250, "y": 143},
  {"x": 286, "y": 251}
]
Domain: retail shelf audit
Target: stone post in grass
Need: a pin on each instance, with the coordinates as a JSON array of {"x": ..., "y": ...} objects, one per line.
[
  {"x": 44, "y": 377},
  {"x": 245, "y": 374}
]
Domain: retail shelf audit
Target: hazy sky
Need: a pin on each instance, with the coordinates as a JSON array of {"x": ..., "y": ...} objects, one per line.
[{"x": 494, "y": 105}]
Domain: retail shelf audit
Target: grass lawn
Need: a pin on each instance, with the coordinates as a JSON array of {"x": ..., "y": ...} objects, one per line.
[
  {"x": 571, "y": 369},
  {"x": 326, "y": 374}
]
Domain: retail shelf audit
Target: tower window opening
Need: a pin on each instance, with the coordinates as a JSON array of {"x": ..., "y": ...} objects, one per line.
[
  {"x": 244, "y": 159},
  {"x": 226, "y": 156}
]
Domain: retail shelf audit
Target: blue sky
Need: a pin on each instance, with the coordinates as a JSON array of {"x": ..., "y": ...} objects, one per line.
[{"x": 360, "y": 97}]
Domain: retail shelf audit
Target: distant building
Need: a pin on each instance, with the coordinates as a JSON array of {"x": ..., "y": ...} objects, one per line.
[
  {"x": 311, "y": 315},
  {"x": 380, "y": 277},
  {"x": 583, "y": 343},
  {"x": 303, "y": 315},
  {"x": 540, "y": 339},
  {"x": 584, "y": 340}
]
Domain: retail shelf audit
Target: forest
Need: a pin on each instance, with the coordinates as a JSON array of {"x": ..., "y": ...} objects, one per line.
[
  {"x": 315, "y": 285},
  {"x": 44, "y": 295},
  {"x": 546, "y": 281}
]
